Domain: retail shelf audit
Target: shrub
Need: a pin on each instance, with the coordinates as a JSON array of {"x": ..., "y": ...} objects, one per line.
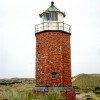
[{"x": 97, "y": 90}]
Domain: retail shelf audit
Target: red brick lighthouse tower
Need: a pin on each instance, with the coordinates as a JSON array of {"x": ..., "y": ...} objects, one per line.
[{"x": 53, "y": 55}]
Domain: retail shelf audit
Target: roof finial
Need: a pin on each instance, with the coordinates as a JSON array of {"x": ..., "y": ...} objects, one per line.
[{"x": 52, "y": 3}]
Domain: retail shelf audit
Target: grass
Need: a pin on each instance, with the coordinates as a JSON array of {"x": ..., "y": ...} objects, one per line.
[
  {"x": 88, "y": 84},
  {"x": 24, "y": 92},
  {"x": 21, "y": 89},
  {"x": 14, "y": 92},
  {"x": 87, "y": 81}
]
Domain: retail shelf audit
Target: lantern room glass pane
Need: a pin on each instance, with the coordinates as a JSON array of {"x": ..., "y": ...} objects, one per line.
[{"x": 51, "y": 16}]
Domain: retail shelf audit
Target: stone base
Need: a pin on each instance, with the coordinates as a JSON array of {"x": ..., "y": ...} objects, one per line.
[{"x": 69, "y": 92}]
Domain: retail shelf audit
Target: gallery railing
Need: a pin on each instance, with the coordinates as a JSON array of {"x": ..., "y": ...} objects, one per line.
[{"x": 53, "y": 26}]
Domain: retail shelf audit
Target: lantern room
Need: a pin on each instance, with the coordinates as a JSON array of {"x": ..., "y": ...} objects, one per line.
[
  {"x": 52, "y": 14},
  {"x": 52, "y": 19}
]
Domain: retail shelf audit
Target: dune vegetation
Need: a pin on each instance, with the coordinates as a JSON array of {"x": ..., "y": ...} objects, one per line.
[
  {"x": 87, "y": 86},
  {"x": 87, "y": 81},
  {"x": 23, "y": 90}
]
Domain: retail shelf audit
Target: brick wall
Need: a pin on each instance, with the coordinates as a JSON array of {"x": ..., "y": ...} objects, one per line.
[
  {"x": 70, "y": 95},
  {"x": 53, "y": 55}
]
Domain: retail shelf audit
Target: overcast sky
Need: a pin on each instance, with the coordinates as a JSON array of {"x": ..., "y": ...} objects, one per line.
[{"x": 17, "y": 35}]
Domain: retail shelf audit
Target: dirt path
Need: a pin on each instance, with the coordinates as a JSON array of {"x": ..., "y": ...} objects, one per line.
[{"x": 84, "y": 96}]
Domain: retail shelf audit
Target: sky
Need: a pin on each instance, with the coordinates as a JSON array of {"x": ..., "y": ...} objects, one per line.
[{"x": 17, "y": 35}]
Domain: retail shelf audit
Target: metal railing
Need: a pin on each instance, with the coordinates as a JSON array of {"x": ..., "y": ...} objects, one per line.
[{"x": 53, "y": 26}]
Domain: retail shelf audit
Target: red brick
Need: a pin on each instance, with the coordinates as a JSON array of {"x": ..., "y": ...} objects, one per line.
[{"x": 53, "y": 55}]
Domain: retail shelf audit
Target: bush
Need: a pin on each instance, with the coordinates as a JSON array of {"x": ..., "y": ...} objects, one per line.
[
  {"x": 97, "y": 90},
  {"x": 76, "y": 87}
]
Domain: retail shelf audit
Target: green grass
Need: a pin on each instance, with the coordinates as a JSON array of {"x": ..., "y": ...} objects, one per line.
[
  {"x": 14, "y": 92},
  {"x": 87, "y": 81},
  {"x": 24, "y": 92},
  {"x": 21, "y": 89},
  {"x": 88, "y": 84}
]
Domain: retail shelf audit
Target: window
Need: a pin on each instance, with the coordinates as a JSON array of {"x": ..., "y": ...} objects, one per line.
[
  {"x": 48, "y": 16},
  {"x": 52, "y": 16},
  {"x": 54, "y": 75}
]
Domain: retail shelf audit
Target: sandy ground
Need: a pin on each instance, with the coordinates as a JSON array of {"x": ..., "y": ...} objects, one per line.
[{"x": 83, "y": 96}]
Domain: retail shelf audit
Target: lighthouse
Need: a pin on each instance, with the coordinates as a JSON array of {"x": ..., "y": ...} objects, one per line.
[{"x": 53, "y": 53}]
